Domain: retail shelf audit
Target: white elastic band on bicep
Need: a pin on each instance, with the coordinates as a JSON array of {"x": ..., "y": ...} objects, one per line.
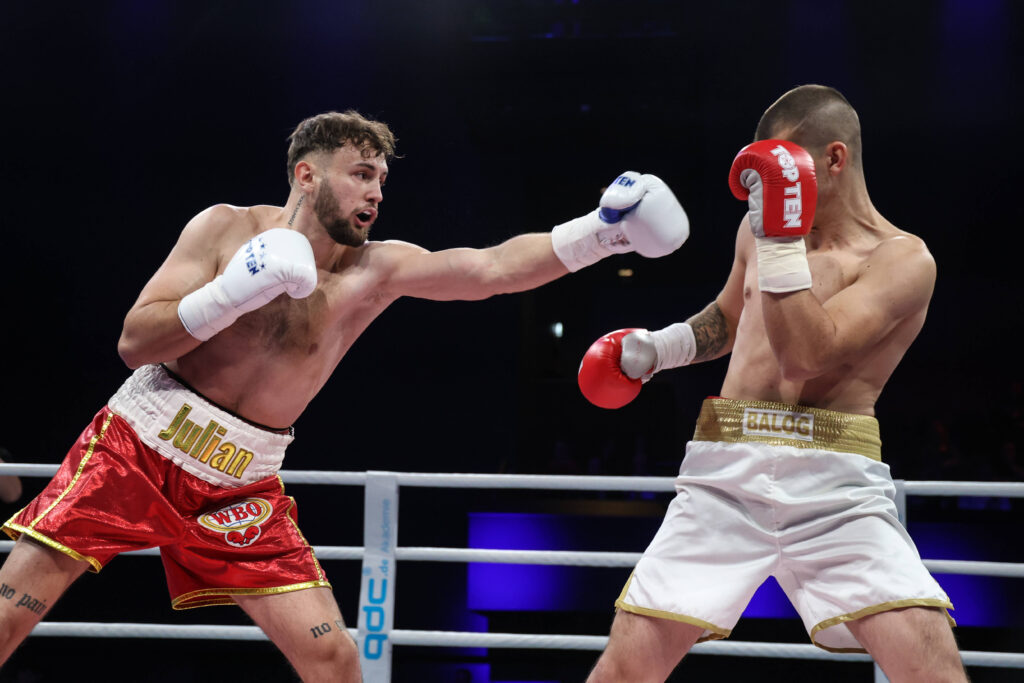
[
  {"x": 782, "y": 265},
  {"x": 676, "y": 346}
]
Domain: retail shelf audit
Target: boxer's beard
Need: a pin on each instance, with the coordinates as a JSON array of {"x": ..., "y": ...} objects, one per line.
[{"x": 341, "y": 230}]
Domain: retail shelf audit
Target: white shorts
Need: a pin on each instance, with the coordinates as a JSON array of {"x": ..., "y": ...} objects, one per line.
[{"x": 796, "y": 493}]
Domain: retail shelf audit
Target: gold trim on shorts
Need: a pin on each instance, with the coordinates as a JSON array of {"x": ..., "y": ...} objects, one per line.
[
  {"x": 207, "y": 597},
  {"x": 717, "y": 632},
  {"x": 222, "y": 596},
  {"x": 78, "y": 473},
  {"x": 781, "y": 424},
  {"x": 15, "y": 530},
  {"x": 312, "y": 555},
  {"x": 877, "y": 609}
]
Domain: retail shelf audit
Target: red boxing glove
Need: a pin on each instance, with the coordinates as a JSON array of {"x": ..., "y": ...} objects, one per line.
[
  {"x": 776, "y": 178},
  {"x": 600, "y": 376}
]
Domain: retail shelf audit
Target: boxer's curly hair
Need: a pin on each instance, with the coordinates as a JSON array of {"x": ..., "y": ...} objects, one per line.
[
  {"x": 328, "y": 131},
  {"x": 813, "y": 116}
]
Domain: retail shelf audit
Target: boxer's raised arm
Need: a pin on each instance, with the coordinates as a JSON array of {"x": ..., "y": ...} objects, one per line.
[
  {"x": 184, "y": 304},
  {"x": 809, "y": 338},
  {"x": 152, "y": 331}
]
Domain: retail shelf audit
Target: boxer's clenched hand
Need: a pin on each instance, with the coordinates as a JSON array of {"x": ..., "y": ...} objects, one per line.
[
  {"x": 274, "y": 262},
  {"x": 616, "y": 365},
  {"x": 777, "y": 180},
  {"x": 601, "y": 377},
  {"x": 637, "y": 213}
]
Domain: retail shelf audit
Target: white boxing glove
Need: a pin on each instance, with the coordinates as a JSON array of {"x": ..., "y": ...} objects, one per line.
[
  {"x": 274, "y": 262},
  {"x": 637, "y": 213}
]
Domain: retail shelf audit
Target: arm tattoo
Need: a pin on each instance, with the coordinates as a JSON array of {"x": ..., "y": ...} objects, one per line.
[{"x": 711, "y": 330}]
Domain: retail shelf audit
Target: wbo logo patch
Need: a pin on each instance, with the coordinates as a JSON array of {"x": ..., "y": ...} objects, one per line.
[{"x": 240, "y": 521}]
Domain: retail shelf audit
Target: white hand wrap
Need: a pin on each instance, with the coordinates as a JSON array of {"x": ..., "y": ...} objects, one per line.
[
  {"x": 782, "y": 264},
  {"x": 645, "y": 353},
  {"x": 586, "y": 240}
]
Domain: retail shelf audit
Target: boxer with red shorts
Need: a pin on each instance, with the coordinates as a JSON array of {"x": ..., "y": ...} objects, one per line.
[
  {"x": 232, "y": 337},
  {"x": 783, "y": 476},
  {"x": 220, "y": 517}
]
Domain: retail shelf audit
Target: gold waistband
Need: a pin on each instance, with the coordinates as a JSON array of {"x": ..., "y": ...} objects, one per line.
[{"x": 779, "y": 424}]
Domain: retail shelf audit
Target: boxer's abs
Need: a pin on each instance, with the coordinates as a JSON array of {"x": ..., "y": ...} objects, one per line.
[{"x": 266, "y": 383}]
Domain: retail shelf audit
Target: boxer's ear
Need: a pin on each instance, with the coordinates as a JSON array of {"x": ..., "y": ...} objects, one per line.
[
  {"x": 304, "y": 173},
  {"x": 837, "y": 157}
]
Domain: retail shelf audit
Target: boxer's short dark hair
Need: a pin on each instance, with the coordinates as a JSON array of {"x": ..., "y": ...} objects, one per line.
[
  {"x": 331, "y": 130},
  {"x": 814, "y": 116}
]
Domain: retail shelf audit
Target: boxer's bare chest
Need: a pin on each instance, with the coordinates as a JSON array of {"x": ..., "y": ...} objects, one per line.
[
  {"x": 753, "y": 370},
  {"x": 323, "y": 324},
  {"x": 831, "y": 272}
]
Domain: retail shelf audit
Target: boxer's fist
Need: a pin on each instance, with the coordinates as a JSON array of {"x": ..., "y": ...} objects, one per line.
[
  {"x": 624, "y": 193},
  {"x": 639, "y": 355},
  {"x": 637, "y": 213},
  {"x": 275, "y": 262},
  {"x": 601, "y": 377},
  {"x": 651, "y": 218},
  {"x": 776, "y": 178}
]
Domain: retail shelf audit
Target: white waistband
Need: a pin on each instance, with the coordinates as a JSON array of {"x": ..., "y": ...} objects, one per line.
[{"x": 198, "y": 436}]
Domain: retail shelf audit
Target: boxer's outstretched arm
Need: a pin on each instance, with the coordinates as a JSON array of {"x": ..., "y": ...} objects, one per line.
[
  {"x": 809, "y": 337},
  {"x": 518, "y": 264},
  {"x": 637, "y": 212}
]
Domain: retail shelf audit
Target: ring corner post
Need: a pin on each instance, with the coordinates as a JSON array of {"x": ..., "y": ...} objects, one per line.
[{"x": 377, "y": 582}]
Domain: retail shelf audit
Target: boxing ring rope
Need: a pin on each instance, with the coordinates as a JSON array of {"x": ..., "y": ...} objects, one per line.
[
  {"x": 579, "y": 558},
  {"x": 380, "y": 485}
]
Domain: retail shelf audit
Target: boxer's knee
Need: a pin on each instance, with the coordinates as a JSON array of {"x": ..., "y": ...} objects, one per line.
[{"x": 331, "y": 658}]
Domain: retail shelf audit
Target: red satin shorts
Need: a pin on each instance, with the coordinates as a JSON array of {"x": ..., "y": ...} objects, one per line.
[{"x": 113, "y": 493}]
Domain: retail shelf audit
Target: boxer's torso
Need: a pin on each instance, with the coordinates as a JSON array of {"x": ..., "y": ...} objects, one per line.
[
  {"x": 853, "y": 386},
  {"x": 270, "y": 363}
]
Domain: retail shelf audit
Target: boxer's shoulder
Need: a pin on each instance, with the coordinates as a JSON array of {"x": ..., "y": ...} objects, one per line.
[
  {"x": 898, "y": 249},
  {"x": 372, "y": 265},
  {"x": 230, "y": 223}
]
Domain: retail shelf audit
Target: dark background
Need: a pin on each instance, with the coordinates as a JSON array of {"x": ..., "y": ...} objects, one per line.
[{"x": 124, "y": 119}]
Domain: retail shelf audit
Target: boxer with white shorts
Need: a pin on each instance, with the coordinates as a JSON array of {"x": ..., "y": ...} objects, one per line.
[
  {"x": 783, "y": 476},
  {"x": 249, "y": 315},
  {"x": 768, "y": 489}
]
